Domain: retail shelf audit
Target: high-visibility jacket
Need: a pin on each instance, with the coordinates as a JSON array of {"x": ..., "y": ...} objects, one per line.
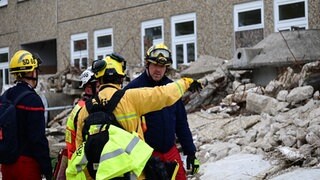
[
  {"x": 124, "y": 152},
  {"x": 137, "y": 102},
  {"x": 70, "y": 137}
]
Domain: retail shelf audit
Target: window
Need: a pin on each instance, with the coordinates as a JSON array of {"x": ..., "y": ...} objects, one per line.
[
  {"x": 3, "y": 3},
  {"x": 184, "y": 39},
  {"x": 103, "y": 43},
  {"x": 289, "y": 13},
  {"x": 4, "y": 67},
  {"x": 248, "y": 16},
  {"x": 79, "y": 51},
  {"x": 151, "y": 33}
]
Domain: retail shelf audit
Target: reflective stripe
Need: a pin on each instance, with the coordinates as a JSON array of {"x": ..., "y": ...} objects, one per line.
[
  {"x": 111, "y": 155},
  {"x": 83, "y": 161},
  {"x": 179, "y": 87},
  {"x": 126, "y": 116},
  {"x": 132, "y": 144},
  {"x": 133, "y": 176},
  {"x": 117, "y": 152}
]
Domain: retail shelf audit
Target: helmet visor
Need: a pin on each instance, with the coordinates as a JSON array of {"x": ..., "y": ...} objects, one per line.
[
  {"x": 119, "y": 59},
  {"x": 160, "y": 52},
  {"x": 98, "y": 65}
]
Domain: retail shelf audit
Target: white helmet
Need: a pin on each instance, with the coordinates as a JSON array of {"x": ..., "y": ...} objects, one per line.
[{"x": 86, "y": 77}]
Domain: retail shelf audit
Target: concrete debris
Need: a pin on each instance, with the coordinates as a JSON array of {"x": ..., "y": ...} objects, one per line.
[{"x": 231, "y": 115}]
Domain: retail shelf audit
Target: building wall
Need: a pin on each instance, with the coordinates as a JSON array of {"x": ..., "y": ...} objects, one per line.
[
  {"x": 26, "y": 22},
  {"x": 39, "y": 20}
]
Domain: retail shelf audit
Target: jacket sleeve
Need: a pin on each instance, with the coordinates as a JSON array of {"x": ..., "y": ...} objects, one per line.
[
  {"x": 147, "y": 100},
  {"x": 36, "y": 134},
  {"x": 83, "y": 113},
  {"x": 183, "y": 131}
]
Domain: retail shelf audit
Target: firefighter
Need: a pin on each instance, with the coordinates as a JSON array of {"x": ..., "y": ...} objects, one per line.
[
  {"x": 110, "y": 72},
  {"x": 162, "y": 127},
  {"x": 90, "y": 87},
  {"x": 34, "y": 160}
]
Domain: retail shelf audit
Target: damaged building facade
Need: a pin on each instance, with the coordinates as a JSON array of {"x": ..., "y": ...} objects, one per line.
[{"x": 69, "y": 34}]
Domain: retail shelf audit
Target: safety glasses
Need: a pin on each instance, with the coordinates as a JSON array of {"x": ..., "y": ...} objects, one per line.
[{"x": 160, "y": 52}]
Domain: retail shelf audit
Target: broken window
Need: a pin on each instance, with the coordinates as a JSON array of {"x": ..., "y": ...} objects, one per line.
[
  {"x": 184, "y": 28},
  {"x": 151, "y": 33},
  {"x": 4, "y": 67},
  {"x": 291, "y": 11},
  {"x": 248, "y": 16},
  {"x": 103, "y": 43},
  {"x": 184, "y": 39},
  {"x": 79, "y": 51},
  {"x": 290, "y": 14}
]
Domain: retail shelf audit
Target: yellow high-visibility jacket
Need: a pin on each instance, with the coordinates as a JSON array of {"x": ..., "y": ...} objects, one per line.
[
  {"x": 137, "y": 102},
  {"x": 70, "y": 136},
  {"x": 124, "y": 152}
]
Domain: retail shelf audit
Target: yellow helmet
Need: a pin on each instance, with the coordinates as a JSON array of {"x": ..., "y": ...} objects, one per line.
[
  {"x": 112, "y": 64},
  {"x": 159, "y": 54},
  {"x": 23, "y": 61}
]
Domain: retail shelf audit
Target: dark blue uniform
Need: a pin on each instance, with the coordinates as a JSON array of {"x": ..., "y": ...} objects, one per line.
[
  {"x": 30, "y": 115},
  {"x": 163, "y": 126}
]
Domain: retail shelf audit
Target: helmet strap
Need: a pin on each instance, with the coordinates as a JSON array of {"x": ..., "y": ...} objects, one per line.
[{"x": 32, "y": 78}]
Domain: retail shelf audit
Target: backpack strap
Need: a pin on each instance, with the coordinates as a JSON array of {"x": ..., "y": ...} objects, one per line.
[
  {"x": 22, "y": 95},
  {"x": 109, "y": 107},
  {"x": 113, "y": 102}
]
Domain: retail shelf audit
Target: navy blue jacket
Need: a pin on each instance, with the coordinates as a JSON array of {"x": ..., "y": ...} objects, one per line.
[
  {"x": 30, "y": 114},
  {"x": 163, "y": 126}
]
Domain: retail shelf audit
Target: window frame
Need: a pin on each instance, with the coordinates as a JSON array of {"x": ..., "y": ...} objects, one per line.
[
  {"x": 150, "y": 24},
  {"x": 280, "y": 25},
  {"x": 3, "y": 3},
  {"x": 5, "y": 65},
  {"x": 104, "y": 50},
  {"x": 183, "y": 39},
  {"x": 80, "y": 54},
  {"x": 244, "y": 7}
]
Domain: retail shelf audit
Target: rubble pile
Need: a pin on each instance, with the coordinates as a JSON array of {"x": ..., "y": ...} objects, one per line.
[
  {"x": 280, "y": 121},
  {"x": 232, "y": 115}
]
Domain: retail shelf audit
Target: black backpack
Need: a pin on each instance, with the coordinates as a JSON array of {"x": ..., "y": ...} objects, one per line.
[
  {"x": 9, "y": 140},
  {"x": 102, "y": 116}
]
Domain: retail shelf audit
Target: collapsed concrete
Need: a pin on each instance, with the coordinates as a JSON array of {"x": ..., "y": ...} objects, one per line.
[{"x": 232, "y": 115}]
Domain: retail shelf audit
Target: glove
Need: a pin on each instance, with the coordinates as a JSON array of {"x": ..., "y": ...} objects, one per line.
[
  {"x": 195, "y": 86},
  {"x": 194, "y": 162},
  {"x": 155, "y": 169}
]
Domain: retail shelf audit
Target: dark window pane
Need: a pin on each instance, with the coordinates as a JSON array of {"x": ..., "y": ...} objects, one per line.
[
  {"x": 291, "y": 11},
  {"x": 76, "y": 63},
  {"x": 4, "y": 57},
  {"x": 184, "y": 28},
  {"x": 250, "y": 17},
  {"x": 153, "y": 32},
  {"x": 179, "y": 56},
  {"x": 1, "y": 76},
  {"x": 84, "y": 63},
  {"x": 104, "y": 41},
  {"x": 7, "y": 76},
  {"x": 190, "y": 51},
  {"x": 80, "y": 45}
]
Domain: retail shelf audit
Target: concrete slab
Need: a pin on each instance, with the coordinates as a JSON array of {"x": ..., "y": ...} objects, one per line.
[{"x": 235, "y": 167}]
